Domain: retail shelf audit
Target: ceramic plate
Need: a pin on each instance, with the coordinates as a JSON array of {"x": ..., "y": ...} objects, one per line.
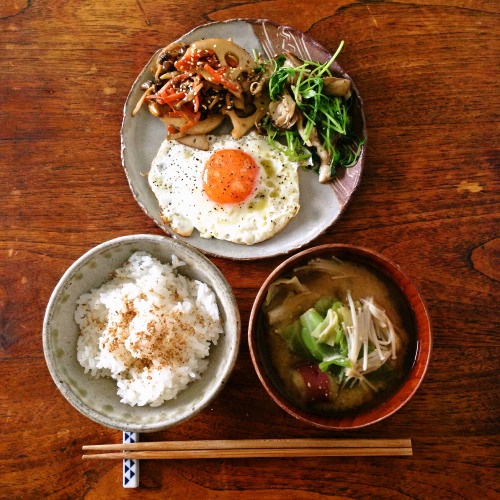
[{"x": 321, "y": 204}]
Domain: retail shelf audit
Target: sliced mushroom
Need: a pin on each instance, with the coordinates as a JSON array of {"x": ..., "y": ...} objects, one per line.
[
  {"x": 325, "y": 169},
  {"x": 210, "y": 123},
  {"x": 337, "y": 87},
  {"x": 171, "y": 52},
  {"x": 333, "y": 86},
  {"x": 155, "y": 108},
  {"x": 241, "y": 125},
  {"x": 292, "y": 60},
  {"x": 325, "y": 174},
  {"x": 194, "y": 137},
  {"x": 283, "y": 112}
]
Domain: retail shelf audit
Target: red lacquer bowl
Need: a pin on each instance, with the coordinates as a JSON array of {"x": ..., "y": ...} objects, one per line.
[{"x": 421, "y": 339}]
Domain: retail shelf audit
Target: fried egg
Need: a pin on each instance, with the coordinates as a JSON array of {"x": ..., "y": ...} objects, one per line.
[{"x": 240, "y": 190}]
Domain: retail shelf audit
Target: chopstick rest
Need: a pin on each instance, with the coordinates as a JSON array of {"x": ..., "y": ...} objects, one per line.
[{"x": 130, "y": 465}]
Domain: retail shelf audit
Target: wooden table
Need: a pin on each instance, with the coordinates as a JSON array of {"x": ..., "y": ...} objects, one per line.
[{"x": 428, "y": 199}]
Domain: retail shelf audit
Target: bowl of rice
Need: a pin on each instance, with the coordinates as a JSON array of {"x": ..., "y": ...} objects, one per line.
[{"x": 141, "y": 333}]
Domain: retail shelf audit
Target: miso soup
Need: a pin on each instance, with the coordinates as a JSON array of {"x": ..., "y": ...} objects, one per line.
[{"x": 340, "y": 335}]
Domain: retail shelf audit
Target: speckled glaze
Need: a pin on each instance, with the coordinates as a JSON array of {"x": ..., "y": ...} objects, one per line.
[
  {"x": 422, "y": 327},
  {"x": 97, "y": 398},
  {"x": 321, "y": 204}
]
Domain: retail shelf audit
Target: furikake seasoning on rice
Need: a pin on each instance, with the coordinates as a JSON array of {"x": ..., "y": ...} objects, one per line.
[{"x": 150, "y": 328}]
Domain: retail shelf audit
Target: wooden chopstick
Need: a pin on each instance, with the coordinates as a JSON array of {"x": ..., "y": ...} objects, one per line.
[
  {"x": 248, "y": 448},
  {"x": 253, "y": 444}
]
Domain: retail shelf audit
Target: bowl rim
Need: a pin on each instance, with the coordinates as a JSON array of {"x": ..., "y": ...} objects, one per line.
[
  {"x": 175, "y": 247},
  {"x": 414, "y": 299}
]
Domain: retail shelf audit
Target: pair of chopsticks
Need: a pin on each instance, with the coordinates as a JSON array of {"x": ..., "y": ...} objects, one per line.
[{"x": 251, "y": 448}]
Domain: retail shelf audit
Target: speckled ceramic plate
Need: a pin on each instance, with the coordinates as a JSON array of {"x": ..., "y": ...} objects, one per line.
[{"x": 321, "y": 204}]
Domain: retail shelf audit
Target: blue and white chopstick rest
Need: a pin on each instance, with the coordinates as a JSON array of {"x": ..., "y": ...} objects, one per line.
[{"x": 130, "y": 466}]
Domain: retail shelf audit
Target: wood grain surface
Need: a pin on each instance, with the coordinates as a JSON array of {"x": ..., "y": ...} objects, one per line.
[{"x": 429, "y": 199}]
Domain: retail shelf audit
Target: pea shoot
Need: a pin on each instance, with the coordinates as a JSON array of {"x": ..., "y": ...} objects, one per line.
[{"x": 324, "y": 122}]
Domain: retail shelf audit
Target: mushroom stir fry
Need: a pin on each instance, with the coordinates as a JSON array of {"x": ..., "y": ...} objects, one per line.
[
  {"x": 196, "y": 86},
  {"x": 300, "y": 105}
]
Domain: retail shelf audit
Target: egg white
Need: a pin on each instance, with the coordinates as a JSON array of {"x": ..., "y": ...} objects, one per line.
[{"x": 175, "y": 178}]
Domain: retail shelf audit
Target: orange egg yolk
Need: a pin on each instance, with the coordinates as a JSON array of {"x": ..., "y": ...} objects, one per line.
[{"x": 229, "y": 176}]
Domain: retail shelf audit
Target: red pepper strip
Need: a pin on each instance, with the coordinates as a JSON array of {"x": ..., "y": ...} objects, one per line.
[
  {"x": 167, "y": 94},
  {"x": 164, "y": 88},
  {"x": 175, "y": 114},
  {"x": 158, "y": 97},
  {"x": 219, "y": 77},
  {"x": 169, "y": 86},
  {"x": 184, "y": 112},
  {"x": 173, "y": 97},
  {"x": 191, "y": 123},
  {"x": 191, "y": 117},
  {"x": 172, "y": 130},
  {"x": 189, "y": 60}
]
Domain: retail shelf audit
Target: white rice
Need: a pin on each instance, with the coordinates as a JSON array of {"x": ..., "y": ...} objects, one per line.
[{"x": 149, "y": 328}]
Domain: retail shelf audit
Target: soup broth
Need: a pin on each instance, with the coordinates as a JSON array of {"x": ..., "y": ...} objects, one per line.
[{"x": 344, "y": 374}]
